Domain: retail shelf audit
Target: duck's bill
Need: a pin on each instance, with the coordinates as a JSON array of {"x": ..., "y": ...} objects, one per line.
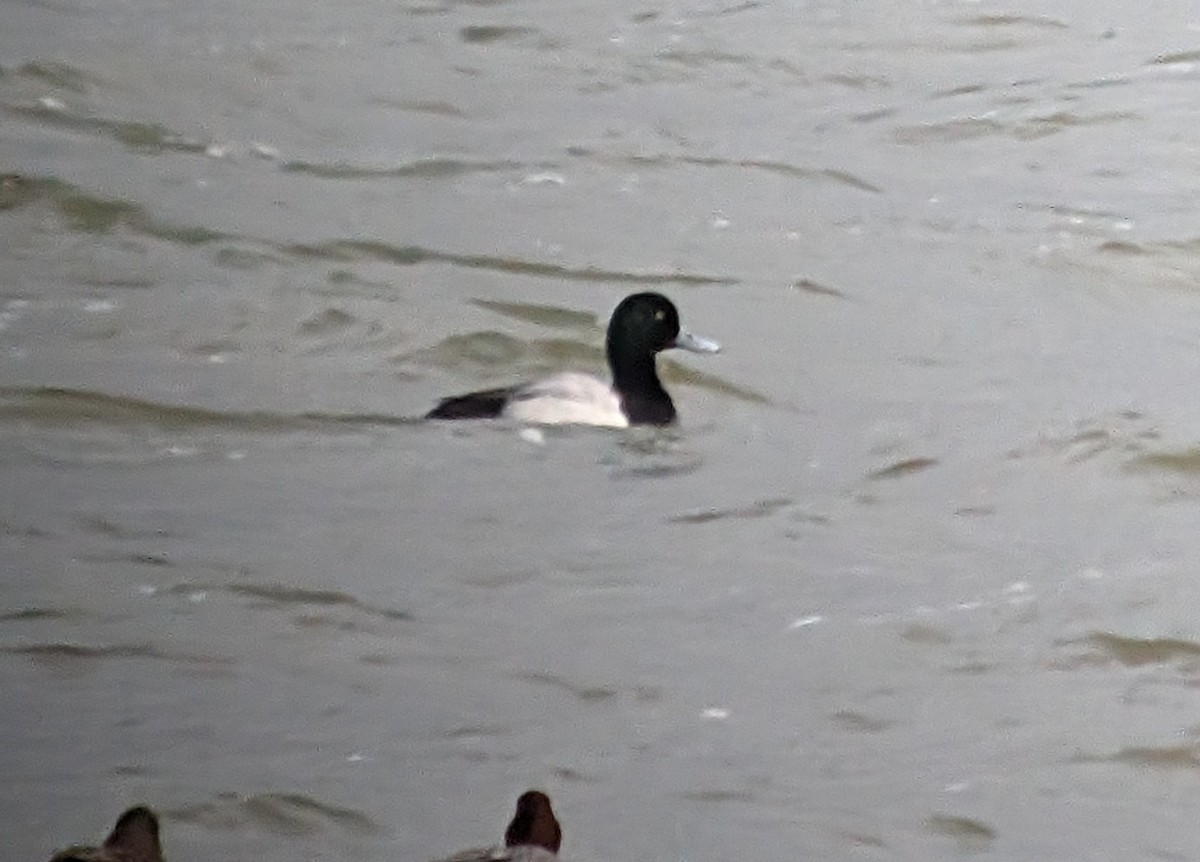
[{"x": 694, "y": 343}]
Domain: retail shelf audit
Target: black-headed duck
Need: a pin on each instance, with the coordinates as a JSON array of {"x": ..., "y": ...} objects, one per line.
[{"x": 641, "y": 326}]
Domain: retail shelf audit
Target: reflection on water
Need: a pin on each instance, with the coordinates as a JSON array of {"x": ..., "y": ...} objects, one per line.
[{"x": 922, "y": 549}]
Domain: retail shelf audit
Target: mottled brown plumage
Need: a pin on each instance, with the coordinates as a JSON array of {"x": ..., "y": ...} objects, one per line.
[
  {"x": 534, "y": 823},
  {"x": 533, "y": 835},
  {"x": 133, "y": 839}
]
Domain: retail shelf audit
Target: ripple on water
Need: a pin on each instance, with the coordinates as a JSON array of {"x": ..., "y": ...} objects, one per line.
[
  {"x": 314, "y": 608},
  {"x": 245, "y": 259},
  {"x": 1177, "y": 471},
  {"x": 158, "y": 561},
  {"x": 659, "y": 469},
  {"x": 757, "y": 509},
  {"x": 1027, "y": 129},
  {"x": 89, "y": 213},
  {"x": 24, "y": 531},
  {"x": 138, "y": 136},
  {"x": 486, "y": 34},
  {"x": 489, "y": 352},
  {"x": 325, "y": 322},
  {"x": 1104, "y": 648},
  {"x": 783, "y": 169},
  {"x": 718, "y": 795},
  {"x": 434, "y": 107},
  {"x": 550, "y": 316},
  {"x": 971, "y": 835},
  {"x": 1125, "y": 433},
  {"x": 677, "y": 372},
  {"x": 411, "y": 255},
  {"x": 16, "y": 191},
  {"x": 289, "y": 814},
  {"x": 62, "y": 109},
  {"x": 30, "y": 614},
  {"x": 476, "y": 731},
  {"x": 858, "y": 722},
  {"x": 70, "y": 408},
  {"x": 73, "y": 655},
  {"x": 58, "y": 75},
  {"x": 650, "y": 453},
  {"x": 807, "y": 285},
  {"x": 1167, "y": 757},
  {"x": 430, "y": 168},
  {"x": 900, "y": 469},
  {"x": 1131, "y": 266},
  {"x": 1035, "y": 21},
  {"x": 1174, "y": 58},
  {"x": 926, "y": 635},
  {"x": 584, "y": 693},
  {"x": 283, "y": 594},
  {"x": 1123, "y": 248}
]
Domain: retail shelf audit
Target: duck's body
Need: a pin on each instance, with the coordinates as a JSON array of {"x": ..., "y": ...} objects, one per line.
[
  {"x": 524, "y": 853},
  {"x": 133, "y": 839},
  {"x": 642, "y": 325},
  {"x": 567, "y": 398},
  {"x": 564, "y": 398},
  {"x": 533, "y": 835}
]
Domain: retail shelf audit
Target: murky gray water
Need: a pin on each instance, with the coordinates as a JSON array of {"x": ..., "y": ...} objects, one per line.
[{"x": 915, "y": 578}]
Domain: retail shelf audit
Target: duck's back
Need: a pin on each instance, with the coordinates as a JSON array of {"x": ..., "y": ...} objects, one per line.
[{"x": 520, "y": 853}]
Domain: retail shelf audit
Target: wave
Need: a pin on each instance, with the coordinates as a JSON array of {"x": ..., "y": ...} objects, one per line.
[{"x": 47, "y": 405}]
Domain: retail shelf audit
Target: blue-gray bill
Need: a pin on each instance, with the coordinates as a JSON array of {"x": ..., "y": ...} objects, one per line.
[{"x": 695, "y": 343}]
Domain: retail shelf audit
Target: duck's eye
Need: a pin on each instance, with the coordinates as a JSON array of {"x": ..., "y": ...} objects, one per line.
[{"x": 660, "y": 315}]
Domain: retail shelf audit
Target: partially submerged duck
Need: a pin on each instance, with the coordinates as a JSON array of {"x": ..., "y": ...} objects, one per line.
[
  {"x": 533, "y": 835},
  {"x": 133, "y": 839},
  {"x": 641, "y": 326}
]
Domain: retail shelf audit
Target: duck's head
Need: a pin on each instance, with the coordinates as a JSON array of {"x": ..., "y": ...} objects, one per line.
[
  {"x": 534, "y": 823},
  {"x": 646, "y": 323}
]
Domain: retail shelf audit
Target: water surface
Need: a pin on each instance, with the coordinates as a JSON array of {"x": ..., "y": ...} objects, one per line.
[{"x": 914, "y": 578}]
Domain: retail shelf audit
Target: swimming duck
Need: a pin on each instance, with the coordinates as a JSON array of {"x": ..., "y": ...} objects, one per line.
[
  {"x": 641, "y": 326},
  {"x": 533, "y": 835},
  {"x": 133, "y": 839}
]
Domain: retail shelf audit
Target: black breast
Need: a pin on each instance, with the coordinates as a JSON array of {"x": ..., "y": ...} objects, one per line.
[{"x": 642, "y": 410}]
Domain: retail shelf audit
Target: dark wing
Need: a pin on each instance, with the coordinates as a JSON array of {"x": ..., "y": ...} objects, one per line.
[{"x": 486, "y": 404}]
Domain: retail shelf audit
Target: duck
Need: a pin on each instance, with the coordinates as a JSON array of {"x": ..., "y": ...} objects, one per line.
[
  {"x": 533, "y": 835},
  {"x": 642, "y": 326},
  {"x": 133, "y": 839}
]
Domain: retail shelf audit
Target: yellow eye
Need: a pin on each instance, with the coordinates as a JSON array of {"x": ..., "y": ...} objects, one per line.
[{"x": 660, "y": 315}]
